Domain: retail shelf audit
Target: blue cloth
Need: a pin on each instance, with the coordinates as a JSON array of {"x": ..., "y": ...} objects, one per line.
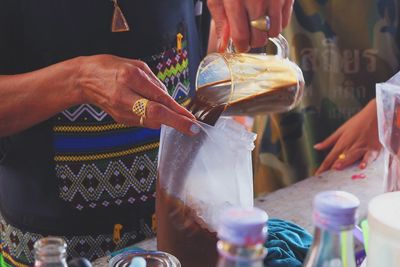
[{"x": 287, "y": 244}]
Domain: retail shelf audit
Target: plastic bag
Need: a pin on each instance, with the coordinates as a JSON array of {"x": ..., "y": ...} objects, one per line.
[
  {"x": 388, "y": 108},
  {"x": 198, "y": 177}
]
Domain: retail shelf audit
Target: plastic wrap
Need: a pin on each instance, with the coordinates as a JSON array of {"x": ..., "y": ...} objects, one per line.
[
  {"x": 198, "y": 178},
  {"x": 388, "y": 108}
]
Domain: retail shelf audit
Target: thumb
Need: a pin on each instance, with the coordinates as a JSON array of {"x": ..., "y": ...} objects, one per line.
[{"x": 220, "y": 19}]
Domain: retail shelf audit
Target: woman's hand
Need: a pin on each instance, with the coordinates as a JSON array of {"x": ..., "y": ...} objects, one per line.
[
  {"x": 115, "y": 84},
  {"x": 111, "y": 83},
  {"x": 356, "y": 139},
  {"x": 232, "y": 20}
]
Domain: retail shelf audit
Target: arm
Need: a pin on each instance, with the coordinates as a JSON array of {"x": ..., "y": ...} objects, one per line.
[
  {"x": 27, "y": 99},
  {"x": 110, "y": 82}
]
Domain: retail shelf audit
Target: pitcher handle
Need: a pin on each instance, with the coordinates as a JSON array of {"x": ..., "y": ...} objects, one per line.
[
  {"x": 280, "y": 42},
  {"x": 282, "y": 46}
]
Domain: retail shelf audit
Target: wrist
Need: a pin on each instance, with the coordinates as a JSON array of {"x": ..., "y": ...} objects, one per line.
[
  {"x": 77, "y": 79},
  {"x": 373, "y": 113}
]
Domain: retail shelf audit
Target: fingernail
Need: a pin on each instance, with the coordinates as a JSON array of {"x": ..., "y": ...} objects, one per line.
[
  {"x": 363, "y": 165},
  {"x": 195, "y": 129},
  {"x": 316, "y": 146},
  {"x": 338, "y": 166}
]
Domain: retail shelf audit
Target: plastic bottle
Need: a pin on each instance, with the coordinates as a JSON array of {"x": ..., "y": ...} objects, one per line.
[
  {"x": 334, "y": 220},
  {"x": 242, "y": 234}
]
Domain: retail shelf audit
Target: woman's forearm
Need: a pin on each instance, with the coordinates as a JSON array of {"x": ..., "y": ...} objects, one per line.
[
  {"x": 111, "y": 83},
  {"x": 30, "y": 98}
]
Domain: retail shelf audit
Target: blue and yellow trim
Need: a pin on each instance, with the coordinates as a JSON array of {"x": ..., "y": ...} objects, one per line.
[
  {"x": 88, "y": 128},
  {"x": 100, "y": 156},
  {"x": 102, "y": 142}
]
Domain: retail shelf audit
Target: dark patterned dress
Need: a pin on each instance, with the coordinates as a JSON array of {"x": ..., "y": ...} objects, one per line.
[{"x": 79, "y": 175}]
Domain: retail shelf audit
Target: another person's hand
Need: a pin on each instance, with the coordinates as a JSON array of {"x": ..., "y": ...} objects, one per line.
[
  {"x": 356, "y": 139},
  {"x": 232, "y": 20},
  {"x": 115, "y": 84}
]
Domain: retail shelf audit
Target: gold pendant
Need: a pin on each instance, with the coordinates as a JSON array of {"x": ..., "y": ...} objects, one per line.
[{"x": 119, "y": 23}]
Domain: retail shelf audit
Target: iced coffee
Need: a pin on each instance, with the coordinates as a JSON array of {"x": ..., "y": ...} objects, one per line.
[{"x": 181, "y": 233}]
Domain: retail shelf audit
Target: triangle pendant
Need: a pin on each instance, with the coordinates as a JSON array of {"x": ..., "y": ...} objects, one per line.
[{"x": 119, "y": 23}]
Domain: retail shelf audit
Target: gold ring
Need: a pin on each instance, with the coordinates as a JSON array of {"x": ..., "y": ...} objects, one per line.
[
  {"x": 141, "y": 120},
  {"x": 139, "y": 107},
  {"x": 342, "y": 156},
  {"x": 262, "y": 23}
]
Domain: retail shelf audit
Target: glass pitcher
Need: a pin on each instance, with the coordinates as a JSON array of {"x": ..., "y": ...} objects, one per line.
[{"x": 246, "y": 83}]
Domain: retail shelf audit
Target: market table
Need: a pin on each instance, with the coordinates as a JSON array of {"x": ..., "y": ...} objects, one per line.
[{"x": 294, "y": 203}]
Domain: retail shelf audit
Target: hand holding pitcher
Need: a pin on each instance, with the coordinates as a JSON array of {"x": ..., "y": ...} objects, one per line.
[
  {"x": 232, "y": 19},
  {"x": 233, "y": 83}
]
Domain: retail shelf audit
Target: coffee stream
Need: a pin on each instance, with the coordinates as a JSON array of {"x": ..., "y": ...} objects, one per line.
[{"x": 211, "y": 100}]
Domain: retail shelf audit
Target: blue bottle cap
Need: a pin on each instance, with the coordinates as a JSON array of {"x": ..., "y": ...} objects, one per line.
[
  {"x": 138, "y": 262},
  {"x": 243, "y": 226},
  {"x": 334, "y": 210}
]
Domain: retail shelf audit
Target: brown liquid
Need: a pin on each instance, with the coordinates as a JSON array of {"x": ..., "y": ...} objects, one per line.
[
  {"x": 209, "y": 101},
  {"x": 276, "y": 99},
  {"x": 181, "y": 233}
]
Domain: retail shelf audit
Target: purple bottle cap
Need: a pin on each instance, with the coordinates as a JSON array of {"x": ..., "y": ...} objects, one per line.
[
  {"x": 243, "y": 226},
  {"x": 335, "y": 210}
]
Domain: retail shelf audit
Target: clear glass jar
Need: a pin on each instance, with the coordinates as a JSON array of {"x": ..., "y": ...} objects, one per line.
[
  {"x": 50, "y": 252},
  {"x": 247, "y": 83},
  {"x": 153, "y": 259}
]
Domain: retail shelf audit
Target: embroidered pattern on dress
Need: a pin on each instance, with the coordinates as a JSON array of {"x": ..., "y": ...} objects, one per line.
[
  {"x": 100, "y": 163},
  {"x": 74, "y": 113},
  {"x": 17, "y": 246},
  {"x": 117, "y": 181},
  {"x": 172, "y": 69}
]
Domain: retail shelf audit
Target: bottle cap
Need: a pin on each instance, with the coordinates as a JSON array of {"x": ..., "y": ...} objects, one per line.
[
  {"x": 243, "y": 226},
  {"x": 138, "y": 262},
  {"x": 334, "y": 210}
]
